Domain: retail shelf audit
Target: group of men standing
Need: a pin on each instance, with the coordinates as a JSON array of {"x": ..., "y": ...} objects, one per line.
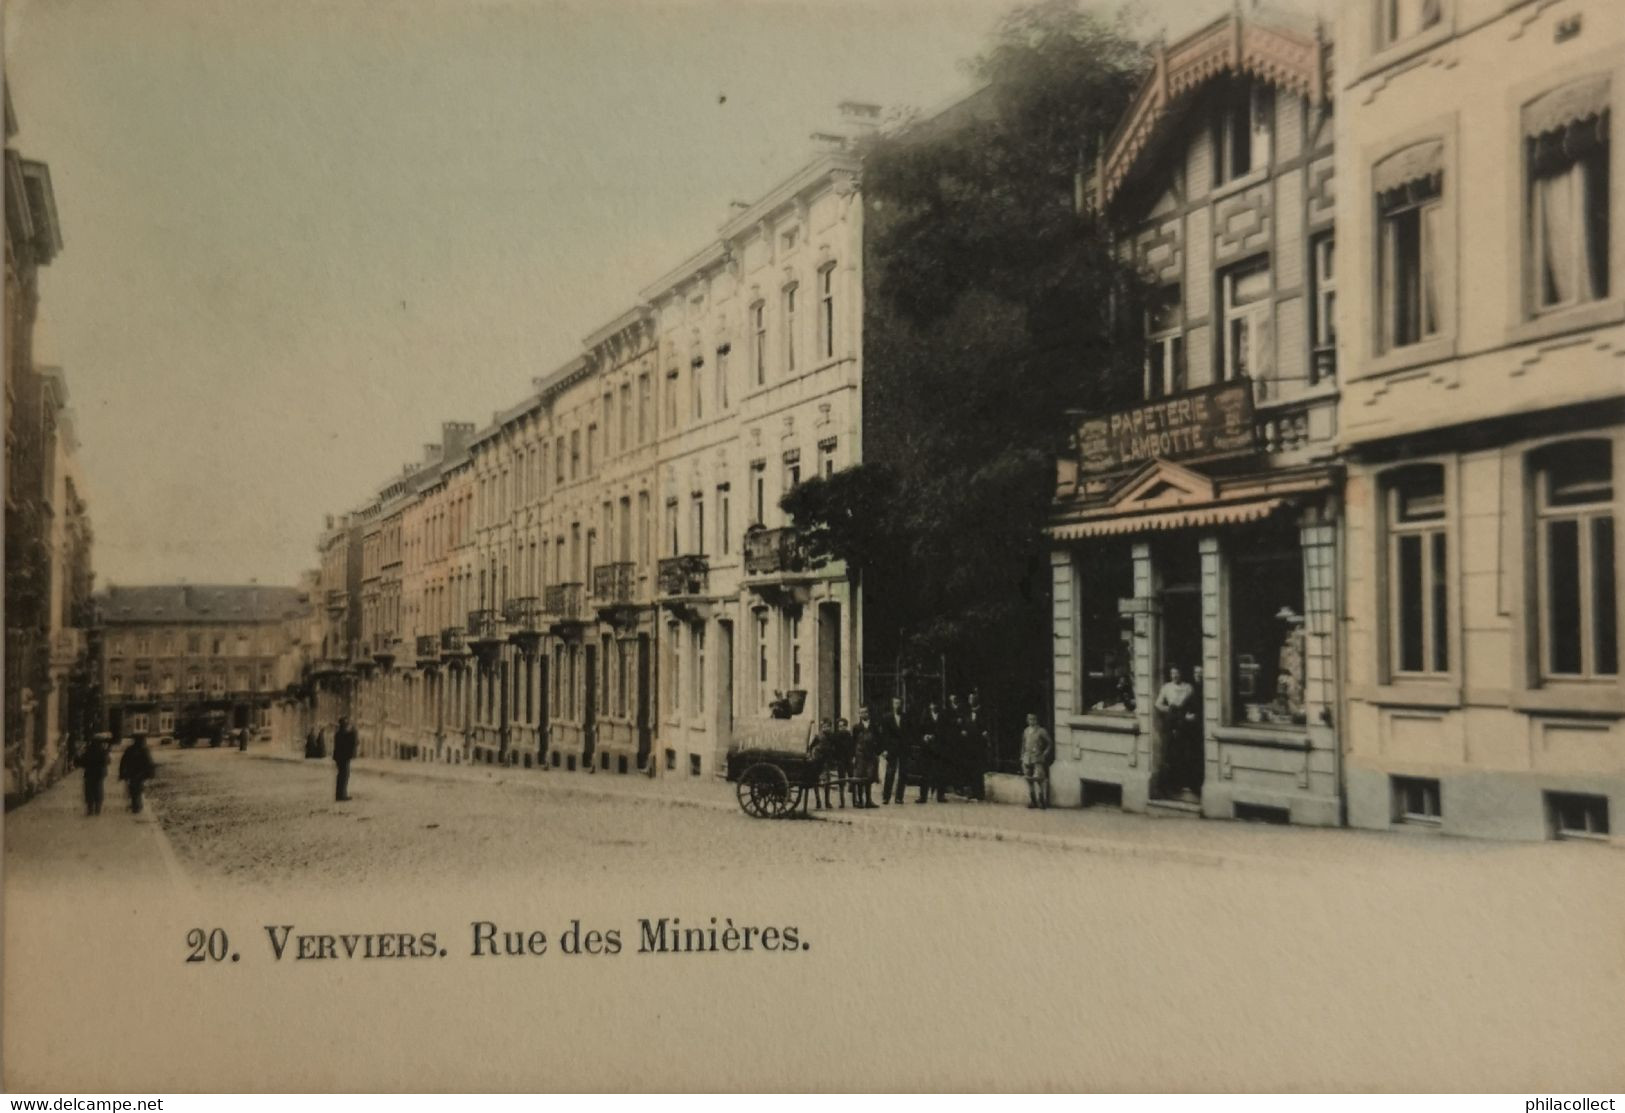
[{"x": 943, "y": 747}]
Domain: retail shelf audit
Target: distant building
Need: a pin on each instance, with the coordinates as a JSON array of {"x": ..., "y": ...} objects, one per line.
[
  {"x": 208, "y": 656},
  {"x": 1481, "y": 208}
]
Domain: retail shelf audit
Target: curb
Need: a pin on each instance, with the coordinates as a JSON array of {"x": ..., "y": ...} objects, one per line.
[{"x": 1106, "y": 847}]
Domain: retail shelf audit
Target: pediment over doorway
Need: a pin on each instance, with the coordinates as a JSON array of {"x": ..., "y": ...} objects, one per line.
[{"x": 1161, "y": 485}]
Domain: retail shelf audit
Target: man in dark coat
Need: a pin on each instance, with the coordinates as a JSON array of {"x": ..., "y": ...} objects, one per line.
[
  {"x": 890, "y": 731},
  {"x": 135, "y": 768},
  {"x": 344, "y": 747},
  {"x": 975, "y": 741},
  {"x": 935, "y": 733},
  {"x": 94, "y": 763}
]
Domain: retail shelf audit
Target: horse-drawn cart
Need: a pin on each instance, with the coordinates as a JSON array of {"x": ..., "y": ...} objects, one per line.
[{"x": 771, "y": 784}]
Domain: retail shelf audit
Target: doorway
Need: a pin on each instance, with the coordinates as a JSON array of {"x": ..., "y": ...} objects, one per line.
[
  {"x": 725, "y": 688},
  {"x": 1178, "y": 765},
  {"x": 589, "y": 708},
  {"x": 645, "y": 729},
  {"x": 829, "y": 661}
]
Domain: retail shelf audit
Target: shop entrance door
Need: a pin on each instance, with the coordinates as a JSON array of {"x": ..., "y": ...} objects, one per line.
[{"x": 1177, "y": 771}]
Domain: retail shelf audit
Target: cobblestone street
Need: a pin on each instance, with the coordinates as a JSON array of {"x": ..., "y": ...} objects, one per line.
[{"x": 1106, "y": 943}]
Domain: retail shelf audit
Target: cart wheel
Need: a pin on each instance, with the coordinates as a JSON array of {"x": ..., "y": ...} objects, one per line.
[
  {"x": 746, "y": 792},
  {"x": 769, "y": 790}
]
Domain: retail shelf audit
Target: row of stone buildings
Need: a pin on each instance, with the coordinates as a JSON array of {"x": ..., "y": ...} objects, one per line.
[
  {"x": 49, "y": 679},
  {"x": 1367, "y": 498},
  {"x": 1372, "y": 486},
  {"x": 601, "y": 576}
]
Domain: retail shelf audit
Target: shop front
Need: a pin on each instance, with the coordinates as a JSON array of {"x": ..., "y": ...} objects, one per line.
[{"x": 1195, "y": 634}]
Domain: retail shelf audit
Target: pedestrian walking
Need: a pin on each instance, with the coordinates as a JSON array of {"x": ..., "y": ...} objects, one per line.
[
  {"x": 893, "y": 744},
  {"x": 344, "y": 747},
  {"x": 1037, "y": 752},
  {"x": 135, "y": 769},
  {"x": 822, "y": 752},
  {"x": 94, "y": 763},
  {"x": 865, "y": 761}
]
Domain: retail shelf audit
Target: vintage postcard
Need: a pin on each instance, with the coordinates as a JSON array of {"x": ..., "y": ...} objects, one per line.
[{"x": 814, "y": 545}]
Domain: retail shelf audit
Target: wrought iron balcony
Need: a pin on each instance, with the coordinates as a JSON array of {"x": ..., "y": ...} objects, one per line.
[
  {"x": 774, "y": 552},
  {"x": 565, "y": 603},
  {"x": 684, "y": 575},
  {"x": 523, "y": 615},
  {"x": 428, "y": 647},
  {"x": 484, "y": 626},
  {"x": 615, "y": 584},
  {"x": 451, "y": 641}
]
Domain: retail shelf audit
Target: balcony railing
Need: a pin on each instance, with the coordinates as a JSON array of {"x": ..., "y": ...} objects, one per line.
[
  {"x": 614, "y": 584},
  {"x": 565, "y": 603},
  {"x": 428, "y": 647},
  {"x": 684, "y": 575},
  {"x": 483, "y": 626},
  {"x": 772, "y": 552},
  {"x": 523, "y": 615},
  {"x": 451, "y": 641}
]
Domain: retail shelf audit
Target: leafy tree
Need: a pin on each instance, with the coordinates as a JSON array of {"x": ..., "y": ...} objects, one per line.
[{"x": 991, "y": 297}]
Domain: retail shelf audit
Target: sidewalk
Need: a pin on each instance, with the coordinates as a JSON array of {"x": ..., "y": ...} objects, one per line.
[
  {"x": 1096, "y": 830},
  {"x": 114, "y": 847}
]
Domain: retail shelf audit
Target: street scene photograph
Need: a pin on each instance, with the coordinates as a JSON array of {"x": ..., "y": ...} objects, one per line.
[{"x": 820, "y": 546}]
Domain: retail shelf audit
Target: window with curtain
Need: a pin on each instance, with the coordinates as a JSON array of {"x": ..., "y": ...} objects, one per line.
[
  {"x": 1566, "y": 151},
  {"x": 1576, "y": 603},
  {"x": 1165, "y": 345},
  {"x": 1410, "y": 222}
]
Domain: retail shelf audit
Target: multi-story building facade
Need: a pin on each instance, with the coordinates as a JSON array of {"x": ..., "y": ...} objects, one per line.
[
  {"x": 1483, "y": 280},
  {"x": 1197, "y": 528},
  {"x": 179, "y": 658},
  {"x": 47, "y": 530},
  {"x": 591, "y": 558}
]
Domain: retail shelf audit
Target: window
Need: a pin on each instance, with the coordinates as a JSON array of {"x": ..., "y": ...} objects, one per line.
[
  {"x": 558, "y": 460},
  {"x": 138, "y": 722},
  {"x": 1246, "y": 343},
  {"x": 166, "y": 684},
  {"x": 194, "y": 682},
  {"x": 696, "y": 511},
  {"x": 671, "y": 398},
  {"x": 758, "y": 326},
  {"x": 696, "y": 374},
  {"x": 761, "y": 658},
  {"x": 1418, "y": 573},
  {"x": 1165, "y": 344},
  {"x": 592, "y": 448},
  {"x": 694, "y": 765},
  {"x": 1398, "y": 20},
  {"x": 722, "y": 377},
  {"x": 789, "y": 329},
  {"x": 1573, "y": 815},
  {"x": 643, "y": 408},
  {"x": 141, "y": 646},
  {"x": 626, "y": 416},
  {"x": 623, "y": 673},
  {"x": 1104, "y": 638},
  {"x": 697, "y": 640},
  {"x": 758, "y": 480},
  {"x": 575, "y": 453},
  {"x": 826, "y": 458},
  {"x": 1242, "y": 128},
  {"x": 676, "y": 631},
  {"x": 1575, "y": 561},
  {"x": 724, "y": 528},
  {"x": 826, "y": 313},
  {"x": 142, "y": 687},
  {"x": 645, "y": 526},
  {"x": 1323, "y": 304},
  {"x": 194, "y": 643},
  {"x": 792, "y": 470},
  {"x": 115, "y": 684},
  {"x": 1268, "y": 650},
  {"x": 795, "y": 650},
  {"x": 1410, "y": 221},
  {"x": 166, "y": 722},
  {"x": 217, "y": 684},
  {"x": 1416, "y": 800},
  {"x": 672, "y": 548},
  {"x": 1567, "y": 154}
]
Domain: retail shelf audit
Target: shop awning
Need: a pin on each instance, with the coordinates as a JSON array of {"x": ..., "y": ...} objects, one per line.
[{"x": 1214, "y": 514}]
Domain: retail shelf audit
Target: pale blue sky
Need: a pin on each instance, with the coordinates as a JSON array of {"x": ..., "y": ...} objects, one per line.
[{"x": 299, "y": 234}]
